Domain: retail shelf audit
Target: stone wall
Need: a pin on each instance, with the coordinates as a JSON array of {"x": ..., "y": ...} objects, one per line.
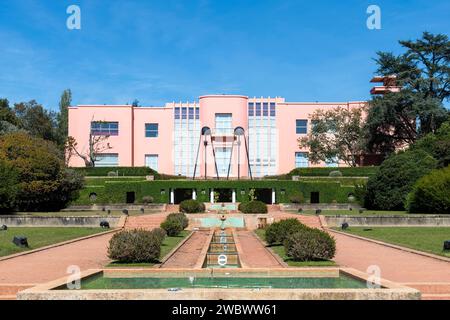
[
  {"x": 21, "y": 221},
  {"x": 391, "y": 220}
]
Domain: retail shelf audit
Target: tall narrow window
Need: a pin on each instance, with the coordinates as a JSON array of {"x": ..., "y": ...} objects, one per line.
[
  {"x": 151, "y": 161},
  {"x": 301, "y": 126},
  {"x": 301, "y": 160},
  {"x": 224, "y": 123},
  {"x": 103, "y": 128},
  {"x": 151, "y": 130}
]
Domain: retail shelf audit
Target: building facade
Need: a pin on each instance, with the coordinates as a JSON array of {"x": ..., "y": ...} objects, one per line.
[{"x": 220, "y": 135}]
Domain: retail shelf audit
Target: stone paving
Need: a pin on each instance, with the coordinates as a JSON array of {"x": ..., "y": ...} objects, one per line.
[
  {"x": 189, "y": 253},
  {"x": 254, "y": 254},
  {"x": 421, "y": 272}
]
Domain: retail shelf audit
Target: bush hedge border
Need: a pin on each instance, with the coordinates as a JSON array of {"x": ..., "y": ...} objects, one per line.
[{"x": 115, "y": 191}]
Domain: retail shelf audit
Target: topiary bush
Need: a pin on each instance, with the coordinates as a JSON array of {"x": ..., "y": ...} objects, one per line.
[
  {"x": 173, "y": 227},
  {"x": 192, "y": 206},
  {"x": 253, "y": 207},
  {"x": 310, "y": 245},
  {"x": 135, "y": 246},
  {"x": 147, "y": 199},
  {"x": 297, "y": 197},
  {"x": 180, "y": 217},
  {"x": 335, "y": 174},
  {"x": 388, "y": 189},
  {"x": 277, "y": 232},
  {"x": 431, "y": 193}
]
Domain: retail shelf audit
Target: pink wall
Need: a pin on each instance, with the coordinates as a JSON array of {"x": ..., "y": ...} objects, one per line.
[
  {"x": 237, "y": 106},
  {"x": 80, "y": 125},
  {"x": 162, "y": 145},
  {"x": 287, "y": 114}
]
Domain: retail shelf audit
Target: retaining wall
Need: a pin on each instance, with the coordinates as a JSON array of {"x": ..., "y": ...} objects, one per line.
[{"x": 388, "y": 221}]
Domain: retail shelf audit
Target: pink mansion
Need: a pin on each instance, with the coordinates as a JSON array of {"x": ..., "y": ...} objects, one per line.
[{"x": 220, "y": 135}]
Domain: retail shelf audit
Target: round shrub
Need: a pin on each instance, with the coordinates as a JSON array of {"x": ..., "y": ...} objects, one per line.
[
  {"x": 147, "y": 199},
  {"x": 388, "y": 189},
  {"x": 160, "y": 234},
  {"x": 335, "y": 174},
  {"x": 297, "y": 197},
  {"x": 431, "y": 193},
  {"x": 192, "y": 206},
  {"x": 181, "y": 217},
  {"x": 253, "y": 207},
  {"x": 173, "y": 227},
  {"x": 310, "y": 245},
  {"x": 135, "y": 246},
  {"x": 278, "y": 232}
]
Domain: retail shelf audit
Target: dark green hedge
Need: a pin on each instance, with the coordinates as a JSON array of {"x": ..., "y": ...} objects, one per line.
[
  {"x": 125, "y": 172},
  {"x": 325, "y": 172},
  {"x": 115, "y": 192}
]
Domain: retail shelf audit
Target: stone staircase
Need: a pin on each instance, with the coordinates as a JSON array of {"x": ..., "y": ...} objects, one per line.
[{"x": 147, "y": 222}]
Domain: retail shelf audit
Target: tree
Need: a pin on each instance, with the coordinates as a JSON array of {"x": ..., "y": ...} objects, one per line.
[
  {"x": 431, "y": 193},
  {"x": 389, "y": 187},
  {"x": 63, "y": 117},
  {"x": 336, "y": 134},
  {"x": 8, "y": 187},
  {"x": 399, "y": 119},
  {"x": 97, "y": 145},
  {"x": 423, "y": 71},
  {"x": 437, "y": 144},
  {"x": 36, "y": 120},
  {"x": 424, "y": 68},
  {"x": 43, "y": 182},
  {"x": 7, "y": 114}
]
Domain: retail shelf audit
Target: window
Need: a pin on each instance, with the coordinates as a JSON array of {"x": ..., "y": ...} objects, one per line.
[
  {"x": 301, "y": 126},
  {"x": 151, "y": 130},
  {"x": 107, "y": 160},
  {"x": 265, "y": 109},
  {"x": 224, "y": 123},
  {"x": 272, "y": 109},
  {"x": 301, "y": 160},
  {"x": 258, "y": 109},
  {"x": 251, "y": 110},
  {"x": 332, "y": 163},
  {"x": 101, "y": 128},
  {"x": 151, "y": 161}
]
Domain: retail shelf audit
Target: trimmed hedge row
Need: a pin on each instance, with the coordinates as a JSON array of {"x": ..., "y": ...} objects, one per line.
[
  {"x": 325, "y": 172},
  {"x": 115, "y": 192},
  {"x": 125, "y": 172}
]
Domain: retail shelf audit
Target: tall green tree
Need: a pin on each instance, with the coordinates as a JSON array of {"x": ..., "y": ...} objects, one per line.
[
  {"x": 63, "y": 117},
  {"x": 36, "y": 120},
  {"x": 423, "y": 70},
  {"x": 336, "y": 134}
]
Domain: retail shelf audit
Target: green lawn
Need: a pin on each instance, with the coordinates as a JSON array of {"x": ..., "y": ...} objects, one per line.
[
  {"x": 167, "y": 246},
  {"x": 40, "y": 237},
  {"x": 428, "y": 239},
  {"x": 279, "y": 250}
]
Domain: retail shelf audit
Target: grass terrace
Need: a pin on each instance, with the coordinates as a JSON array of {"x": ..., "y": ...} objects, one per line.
[
  {"x": 427, "y": 239},
  {"x": 279, "y": 250},
  {"x": 40, "y": 237}
]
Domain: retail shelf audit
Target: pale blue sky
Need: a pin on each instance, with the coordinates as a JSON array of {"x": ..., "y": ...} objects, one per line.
[{"x": 160, "y": 51}]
